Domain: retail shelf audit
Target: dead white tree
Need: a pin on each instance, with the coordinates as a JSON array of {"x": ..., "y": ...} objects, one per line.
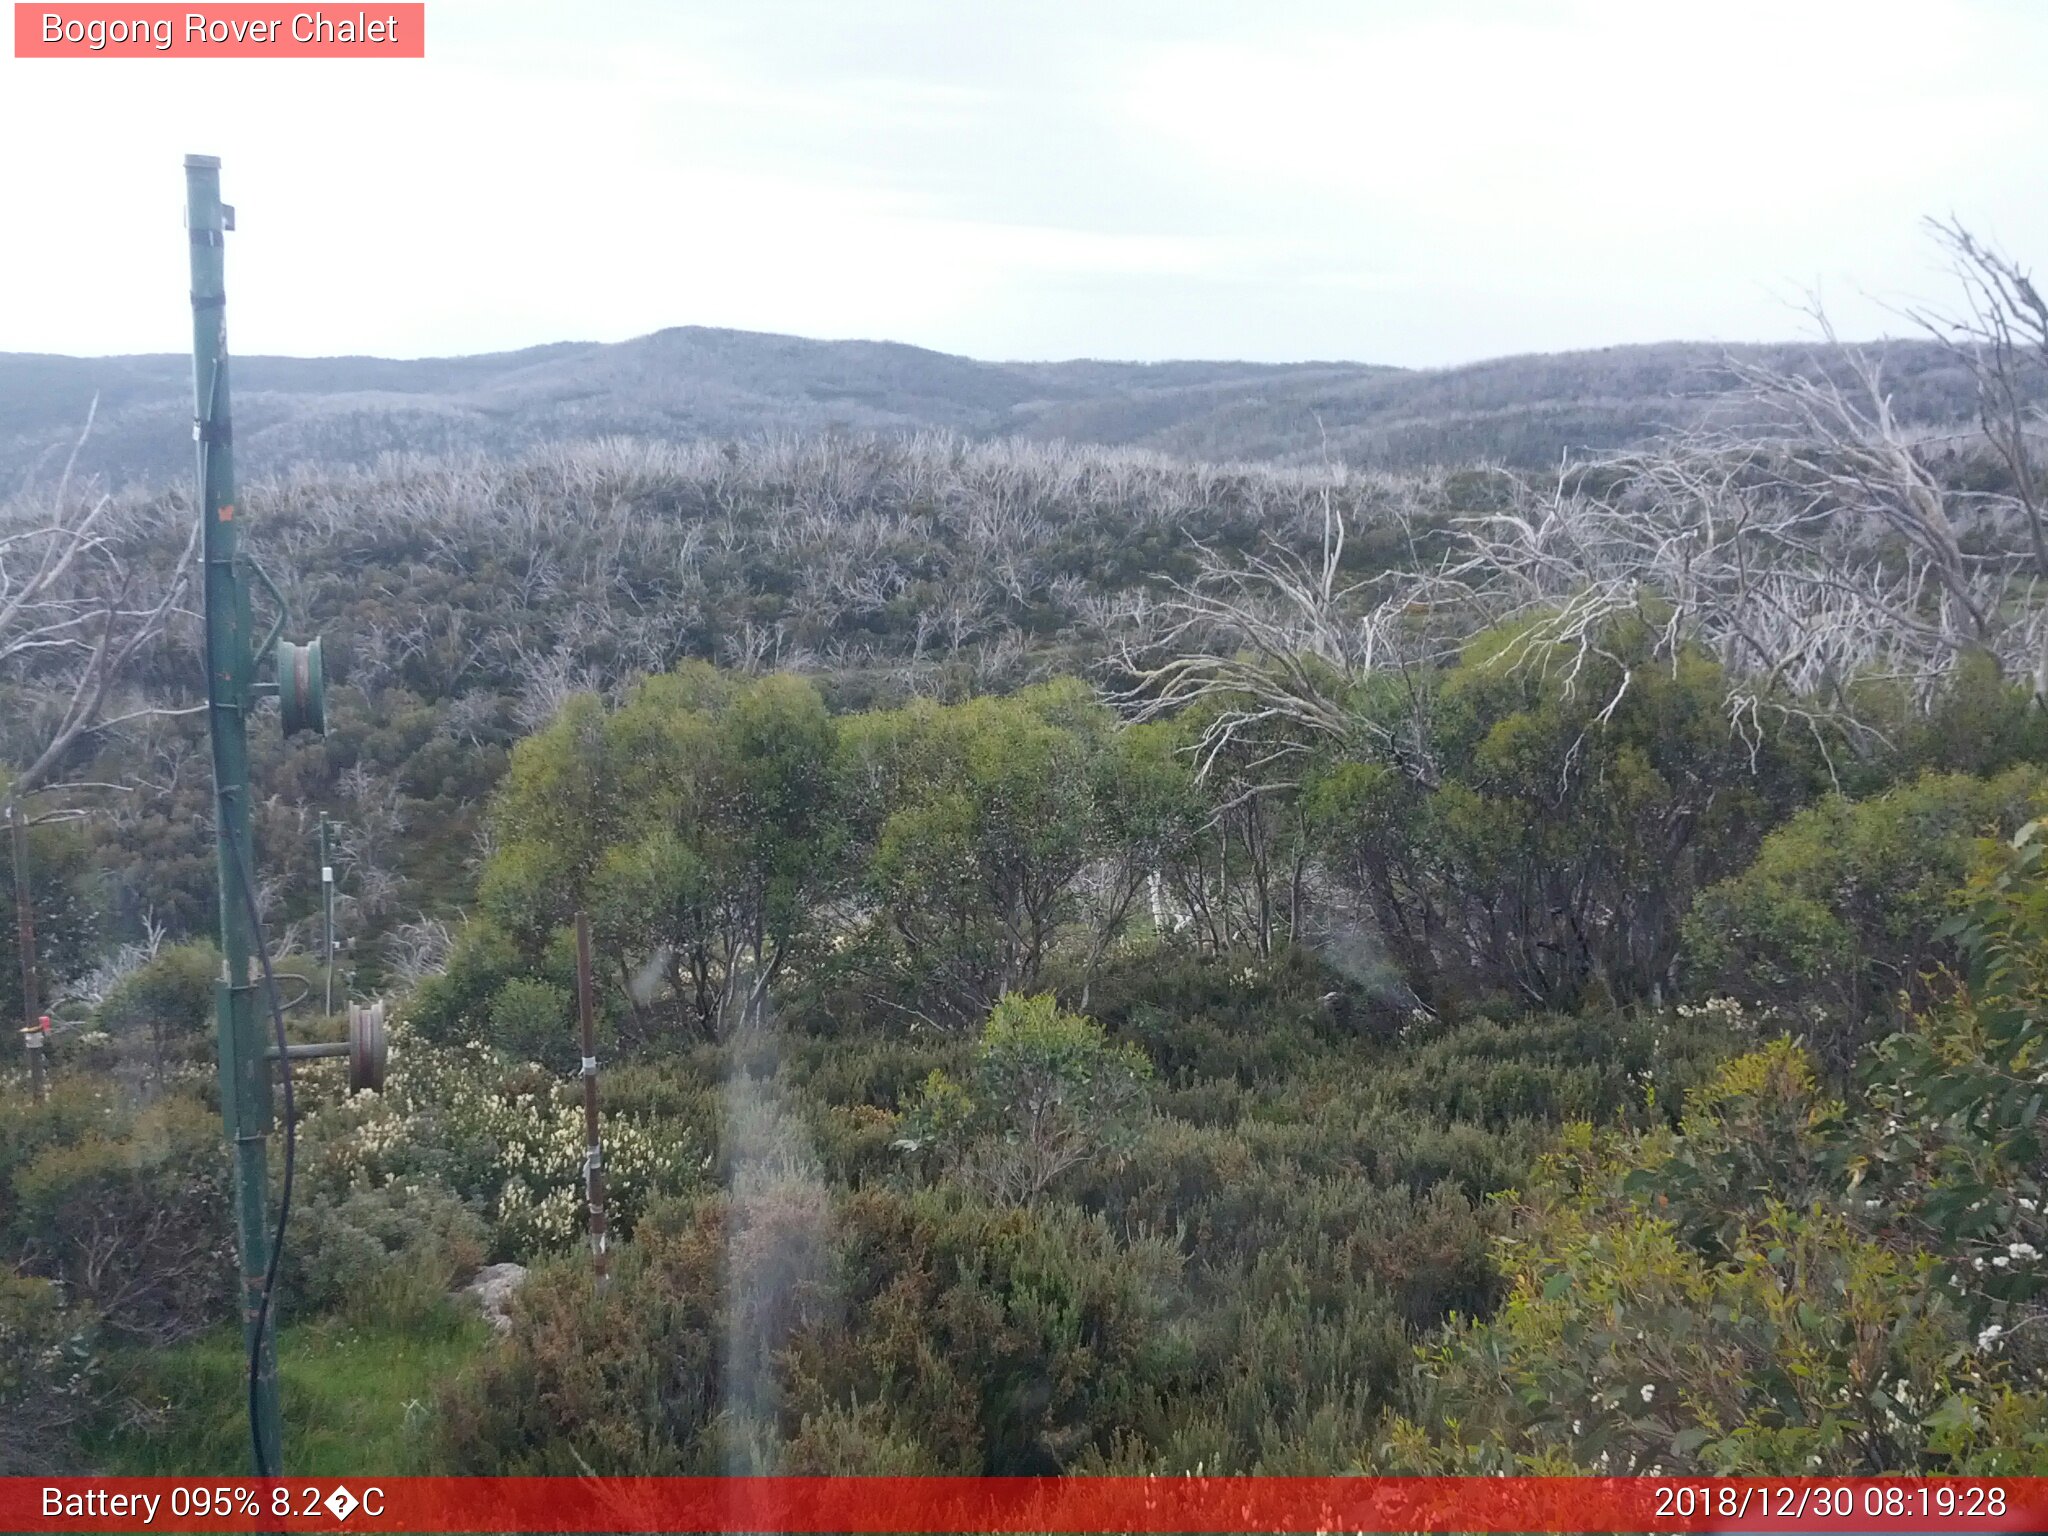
[
  {"x": 418, "y": 949},
  {"x": 2001, "y": 335},
  {"x": 81, "y": 597},
  {"x": 1274, "y": 641},
  {"x": 1713, "y": 550},
  {"x": 1811, "y": 542},
  {"x": 547, "y": 681},
  {"x": 1818, "y": 541}
]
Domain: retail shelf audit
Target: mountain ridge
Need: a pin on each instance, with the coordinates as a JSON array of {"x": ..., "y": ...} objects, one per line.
[{"x": 688, "y": 382}]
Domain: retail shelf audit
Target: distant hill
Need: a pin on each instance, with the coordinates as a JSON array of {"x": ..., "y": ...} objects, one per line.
[{"x": 691, "y": 382}]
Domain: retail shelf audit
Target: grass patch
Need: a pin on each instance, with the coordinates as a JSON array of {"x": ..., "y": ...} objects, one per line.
[{"x": 357, "y": 1400}]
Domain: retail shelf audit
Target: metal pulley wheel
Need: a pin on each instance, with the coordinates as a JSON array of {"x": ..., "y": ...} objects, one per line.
[
  {"x": 366, "y": 1046},
  {"x": 301, "y": 687}
]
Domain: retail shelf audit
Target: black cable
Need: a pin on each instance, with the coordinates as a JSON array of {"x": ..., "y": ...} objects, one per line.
[{"x": 291, "y": 1143}]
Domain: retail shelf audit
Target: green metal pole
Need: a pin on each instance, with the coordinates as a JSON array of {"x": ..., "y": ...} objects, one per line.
[{"x": 231, "y": 695}]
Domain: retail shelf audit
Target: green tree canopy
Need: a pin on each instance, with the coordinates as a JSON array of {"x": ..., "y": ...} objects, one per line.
[{"x": 696, "y": 823}]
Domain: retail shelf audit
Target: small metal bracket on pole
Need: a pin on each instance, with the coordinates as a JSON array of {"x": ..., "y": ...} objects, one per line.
[
  {"x": 593, "y": 1154},
  {"x": 34, "y": 1039}
]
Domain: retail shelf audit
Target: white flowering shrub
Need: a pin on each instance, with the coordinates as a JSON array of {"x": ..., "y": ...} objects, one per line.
[
  {"x": 1725, "y": 1012},
  {"x": 508, "y": 1138}
]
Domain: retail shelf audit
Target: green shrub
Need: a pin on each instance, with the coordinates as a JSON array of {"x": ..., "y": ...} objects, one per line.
[
  {"x": 1047, "y": 1092},
  {"x": 387, "y": 1255},
  {"x": 1012, "y": 1337},
  {"x": 49, "y": 1375},
  {"x": 1575, "y": 800},
  {"x": 1722, "y": 1301},
  {"x": 1424, "y": 1254},
  {"x": 856, "y": 1142},
  {"x": 1202, "y": 1018},
  {"x": 453, "y": 1007},
  {"x": 1168, "y": 1180},
  {"x": 1351, "y": 1131},
  {"x": 69, "y": 902},
  {"x": 534, "y": 1021},
  {"x": 1951, "y": 1145},
  {"x": 1980, "y": 723},
  {"x": 865, "y": 1069},
  {"x": 671, "y": 1090},
  {"x": 859, "y": 1440},
  {"x": 620, "y": 1382},
  {"x": 128, "y": 1208},
  {"x": 1544, "y": 1066},
  {"x": 75, "y": 1107},
  {"x": 1811, "y": 1349},
  {"x": 1840, "y": 917},
  {"x": 990, "y": 1341},
  {"x": 972, "y": 826},
  {"x": 1295, "y": 1381},
  {"x": 163, "y": 1011}
]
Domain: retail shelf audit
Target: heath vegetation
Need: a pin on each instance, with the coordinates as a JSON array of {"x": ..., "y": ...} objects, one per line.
[{"x": 1104, "y": 962}]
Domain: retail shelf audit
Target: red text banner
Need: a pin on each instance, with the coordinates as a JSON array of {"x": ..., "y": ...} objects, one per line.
[
  {"x": 1053, "y": 1505},
  {"x": 232, "y": 31}
]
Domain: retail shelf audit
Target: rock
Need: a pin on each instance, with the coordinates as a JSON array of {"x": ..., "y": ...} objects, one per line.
[{"x": 492, "y": 1290}]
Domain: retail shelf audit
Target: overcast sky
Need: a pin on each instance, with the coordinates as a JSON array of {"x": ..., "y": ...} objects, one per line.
[{"x": 1417, "y": 183}]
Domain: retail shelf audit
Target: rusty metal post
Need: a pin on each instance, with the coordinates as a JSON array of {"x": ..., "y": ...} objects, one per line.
[
  {"x": 593, "y": 1153},
  {"x": 327, "y": 910},
  {"x": 32, "y": 1032}
]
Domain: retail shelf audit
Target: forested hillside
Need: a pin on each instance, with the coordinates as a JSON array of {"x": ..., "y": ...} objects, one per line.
[
  {"x": 1212, "y": 965},
  {"x": 691, "y": 382}
]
